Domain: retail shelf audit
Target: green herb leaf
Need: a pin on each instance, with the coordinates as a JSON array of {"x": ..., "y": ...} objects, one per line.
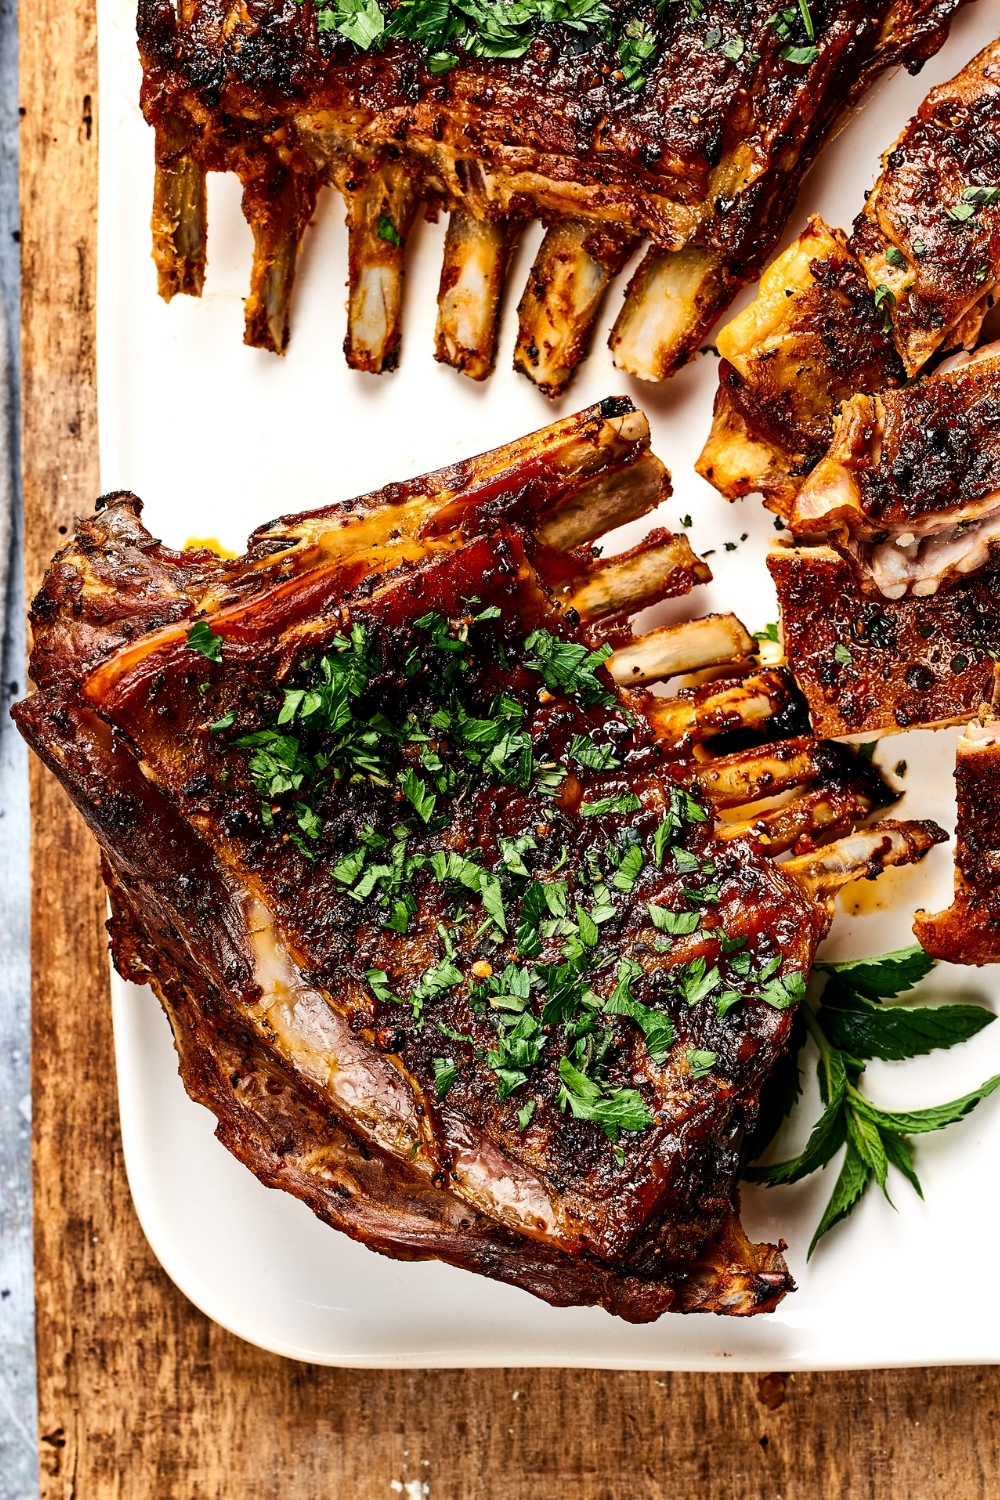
[
  {"x": 416, "y": 792},
  {"x": 883, "y": 977},
  {"x": 850, "y": 1187},
  {"x": 628, "y": 871},
  {"x": 825, "y": 1140},
  {"x": 568, "y": 667},
  {"x": 202, "y": 638},
  {"x": 700, "y": 1062},
  {"x": 361, "y": 21},
  {"x": 378, "y": 980},
  {"x": 226, "y": 722},
  {"x": 525, "y": 1115},
  {"x": 624, "y": 802},
  {"x": 595, "y": 757},
  {"x": 866, "y": 1029},
  {"x": 387, "y": 231},
  {"x": 677, "y": 923},
  {"x": 445, "y": 1073},
  {"x": 920, "y": 1121}
]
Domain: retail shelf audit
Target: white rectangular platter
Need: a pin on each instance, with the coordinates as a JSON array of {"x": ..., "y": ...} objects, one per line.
[{"x": 218, "y": 438}]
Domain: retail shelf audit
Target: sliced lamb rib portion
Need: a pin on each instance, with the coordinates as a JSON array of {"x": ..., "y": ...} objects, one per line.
[
  {"x": 704, "y": 159},
  {"x": 811, "y": 339},
  {"x": 929, "y": 233},
  {"x": 868, "y": 664},
  {"x": 446, "y": 933},
  {"x": 911, "y": 483},
  {"x": 918, "y": 272}
]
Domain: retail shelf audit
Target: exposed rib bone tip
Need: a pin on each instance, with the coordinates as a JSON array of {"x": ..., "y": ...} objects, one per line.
[
  {"x": 719, "y": 707},
  {"x": 863, "y": 855},
  {"x": 660, "y": 567},
  {"x": 180, "y": 228},
  {"x": 575, "y": 262},
  {"x": 381, "y": 203},
  {"x": 674, "y": 650},
  {"x": 670, "y": 304},
  {"x": 476, "y": 256}
]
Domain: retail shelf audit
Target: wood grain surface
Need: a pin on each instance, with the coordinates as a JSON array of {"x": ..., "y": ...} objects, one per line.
[{"x": 139, "y": 1395}]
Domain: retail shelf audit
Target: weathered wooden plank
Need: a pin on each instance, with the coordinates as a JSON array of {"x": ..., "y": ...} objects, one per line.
[{"x": 139, "y": 1395}]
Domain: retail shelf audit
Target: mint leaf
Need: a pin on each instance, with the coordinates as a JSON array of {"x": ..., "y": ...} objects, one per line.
[
  {"x": 883, "y": 977},
  {"x": 700, "y": 1062},
  {"x": 226, "y": 722},
  {"x": 866, "y": 1029},
  {"x": 920, "y": 1121},
  {"x": 826, "y": 1139},
  {"x": 850, "y": 1187}
]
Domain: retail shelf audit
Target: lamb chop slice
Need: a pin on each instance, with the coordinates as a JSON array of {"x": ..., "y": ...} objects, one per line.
[
  {"x": 810, "y": 340},
  {"x": 969, "y": 931},
  {"x": 910, "y": 486},
  {"x": 690, "y": 128},
  {"x": 918, "y": 272},
  {"x": 389, "y": 836},
  {"x": 872, "y": 665},
  {"x": 929, "y": 234}
]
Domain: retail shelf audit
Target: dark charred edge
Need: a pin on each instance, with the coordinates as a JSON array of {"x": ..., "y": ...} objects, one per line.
[{"x": 968, "y": 932}]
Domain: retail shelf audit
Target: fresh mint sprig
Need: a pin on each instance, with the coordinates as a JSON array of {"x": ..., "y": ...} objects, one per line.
[{"x": 850, "y": 1026}]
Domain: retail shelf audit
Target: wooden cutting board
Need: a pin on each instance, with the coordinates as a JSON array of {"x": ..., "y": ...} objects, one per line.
[{"x": 142, "y": 1397}]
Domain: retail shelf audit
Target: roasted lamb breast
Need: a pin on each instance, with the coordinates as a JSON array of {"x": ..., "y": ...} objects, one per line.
[
  {"x": 447, "y": 932},
  {"x": 689, "y": 125}
]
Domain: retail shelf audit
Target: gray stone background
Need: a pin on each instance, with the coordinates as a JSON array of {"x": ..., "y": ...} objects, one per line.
[{"x": 18, "y": 1475}]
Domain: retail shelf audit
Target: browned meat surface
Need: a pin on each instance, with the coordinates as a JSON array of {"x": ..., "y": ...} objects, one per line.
[
  {"x": 930, "y": 232},
  {"x": 911, "y": 484},
  {"x": 689, "y": 125},
  {"x": 969, "y": 931},
  {"x": 442, "y": 920},
  {"x": 811, "y": 339},
  {"x": 870, "y": 664},
  {"x": 829, "y": 311}
]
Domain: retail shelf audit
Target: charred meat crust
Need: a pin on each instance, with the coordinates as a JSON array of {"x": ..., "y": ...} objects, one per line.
[
  {"x": 968, "y": 932},
  {"x": 867, "y": 663}
]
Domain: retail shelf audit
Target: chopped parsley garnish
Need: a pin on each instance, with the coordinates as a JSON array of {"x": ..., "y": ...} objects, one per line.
[
  {"x": 623, "y": 802},
  {"x": 445, "y": 1073},
  {"x": 203, "y": 639},
  {"x": 568, "y": 667},
  {"x": 595, "y": 757},
  {"x": 420, "y": 738},
  {"x": 386, "y": 228},
  {"x": 615, "y": 1110}
]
